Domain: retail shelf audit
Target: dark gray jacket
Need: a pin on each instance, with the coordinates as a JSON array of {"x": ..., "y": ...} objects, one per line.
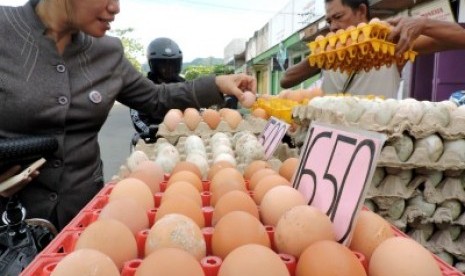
[{"x": 70, "y": 97}]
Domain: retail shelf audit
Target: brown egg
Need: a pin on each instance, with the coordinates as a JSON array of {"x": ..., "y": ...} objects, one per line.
[
  {"x": 295, "y": 96},
  {"x": 218, "y": 166},
  {"x": 179, "y": 204},
  {"x": 277, "y": 201},
  {"x": 176, "y": 231},
  {"x": 192, "y": 118},
  {"x": 253, "y": 259},
  {"x": 224, "y": 181},
  {"x": 284, "y": 93},
  {"x": 402, "y": 256},
  {"x": 150, "y": 173},
  {"x": 186, "y": 166},
  {"x": 172, "y": 118},
  {"x": 260, "y": 113},
  {"x": 226, "y": 187},
  {"x": 329, "y": 258},
  {"x": 223, "y": 111},
  {"x": 188, "y": 177},
  {"x": 128, "y": 211},
  {"x": 135, "y": 189},
  {"x": 300, "y": 227},
  {"x": 258, "y": 175},
  {"x": 170, "y": 261},
  {"x": 211, "y": 117},
  {"x": 369, "y": 232},
  {"x": 234, "y": 201},
  {"x": 182, "y": 188},
  {"x": 110, "y": 237},
  {"x": 225, "y": 176},
  {"x": 289, "y": 167},
  {"x": 233, "y": 118},
  {"x": 267, "y": 183},
  {"x": 248, "y": 99},
  {"x": 254, "y": 166},
  {"x": 235, "y": 229},
  {"x": 85, "y": 262}
]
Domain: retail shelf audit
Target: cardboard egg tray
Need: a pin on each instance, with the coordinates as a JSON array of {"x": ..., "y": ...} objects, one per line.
[
  {"x": 426, "y": 204},
  {"x": 356, "y": 49},
  {"x": 282, "y": 153},
  {"x": 64, "y": 243},
  {"x": 249, "y": 123},
  {"x": 278, "y": 108}
]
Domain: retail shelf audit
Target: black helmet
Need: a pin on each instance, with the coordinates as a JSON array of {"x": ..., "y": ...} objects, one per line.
[{"x": 165, "y": 59}]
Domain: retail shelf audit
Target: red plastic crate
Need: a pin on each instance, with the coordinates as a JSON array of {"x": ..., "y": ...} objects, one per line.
[
  {"x": 42, "y": 265},
  {"x": 65, "y": 241},
  {"x": 63, "y": 244}
]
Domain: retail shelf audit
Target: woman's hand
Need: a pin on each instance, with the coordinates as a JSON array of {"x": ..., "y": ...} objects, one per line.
[
  {"x": 236, "y": 84},
  {"x": 406, "y": 30},
  {"x": 12, "y": 172}
]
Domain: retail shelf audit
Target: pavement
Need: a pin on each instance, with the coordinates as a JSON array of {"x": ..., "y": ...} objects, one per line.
[{"x": 115, "y": 138}]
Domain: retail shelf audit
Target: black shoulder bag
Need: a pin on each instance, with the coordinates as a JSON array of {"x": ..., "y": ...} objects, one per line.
[{"x": 22, "y": 239}]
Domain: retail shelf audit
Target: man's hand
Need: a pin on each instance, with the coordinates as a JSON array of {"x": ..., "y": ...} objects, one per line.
[
  {"x": 12, "y": 172},
  {"x": 236, "y": 84},
  {"x": 406, "y": 30}
]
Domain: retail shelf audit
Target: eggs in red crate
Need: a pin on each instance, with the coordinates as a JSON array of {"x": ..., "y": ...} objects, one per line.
[
  {"x": 176, "y": 231},
  {"x": 128, "y": 211},
  {"x": 253, "y": 259},
  {"x": 402, "y": 256},
  {"x": 330, "y": 258},
  {"x": 85, "y": 262},
  {"x": 110, "y": 237},
  {"x": 170, "y": 261}
]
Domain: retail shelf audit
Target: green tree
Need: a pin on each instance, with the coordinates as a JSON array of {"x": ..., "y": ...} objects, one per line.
[
  {"x": 133, "y": 49},
  {"x": 195, "y": 71}
]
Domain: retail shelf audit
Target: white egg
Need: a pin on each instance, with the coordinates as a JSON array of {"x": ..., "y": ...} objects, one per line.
[
  {"x": 217, "y": 150},
  {"x": 135, "y": 159},
  {"x": 170, "y": 152},
  {"x": 225, "y": 157},
  {"x": 200, "y": 161},
  {"x": 166, "y": 163},
  {"x": 194, "y": 143}
]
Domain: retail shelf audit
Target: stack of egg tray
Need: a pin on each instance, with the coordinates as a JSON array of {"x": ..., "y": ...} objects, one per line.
[
  {"x": 357, "y": 48},
  {"x": 64, "y": 243},
  {"x": 419, "y": 183},
  {"x": 276, "y": 107},
  {"x": 283, "y": 152},
  {"x": 249, "y": 123}
]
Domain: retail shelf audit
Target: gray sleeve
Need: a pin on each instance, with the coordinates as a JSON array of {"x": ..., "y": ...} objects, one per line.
[{"x": 141, "y": 94}]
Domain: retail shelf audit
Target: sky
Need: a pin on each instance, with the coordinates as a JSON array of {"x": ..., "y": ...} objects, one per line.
[{"x": 202, "y": 28}]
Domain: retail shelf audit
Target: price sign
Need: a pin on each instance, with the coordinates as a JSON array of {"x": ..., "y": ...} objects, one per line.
[
  {"x": 336, "y": 167},
  {"x": 272, "y": 135}
]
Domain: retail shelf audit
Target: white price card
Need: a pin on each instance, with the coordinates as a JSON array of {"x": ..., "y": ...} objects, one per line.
[
  {"x": 335, "y": 170},
  {"x": 272, "y": 135}
]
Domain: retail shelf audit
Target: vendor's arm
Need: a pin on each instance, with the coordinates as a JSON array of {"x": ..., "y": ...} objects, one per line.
[
  {"x": 298, "y": 73},
  {"x": 141, "y": 94},
  {"x": 426, "y": 35}
]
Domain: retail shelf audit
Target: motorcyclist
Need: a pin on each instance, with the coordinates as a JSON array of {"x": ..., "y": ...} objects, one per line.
[{"x": 165, "y": 61}]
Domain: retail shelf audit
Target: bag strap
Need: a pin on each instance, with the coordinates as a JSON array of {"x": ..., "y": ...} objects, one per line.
[{"x": 348, "y": 82}]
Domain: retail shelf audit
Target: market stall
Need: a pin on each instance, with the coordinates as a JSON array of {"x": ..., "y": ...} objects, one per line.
[{"x": 219, "y": 193}]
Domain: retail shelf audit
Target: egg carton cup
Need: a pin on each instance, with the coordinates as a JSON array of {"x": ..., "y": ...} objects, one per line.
[
  {"x": 278, "y": 108},
  {"x": 360, "y": 56},
  {"x": 249, "y": 123},
  {"x": 419, "y": 119},
  {"x": 357, "y": 48},
  {"x": 374, "y": 30},
  {"x": 429, "y": 205},
  {"x": 283, "y": 152}
]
